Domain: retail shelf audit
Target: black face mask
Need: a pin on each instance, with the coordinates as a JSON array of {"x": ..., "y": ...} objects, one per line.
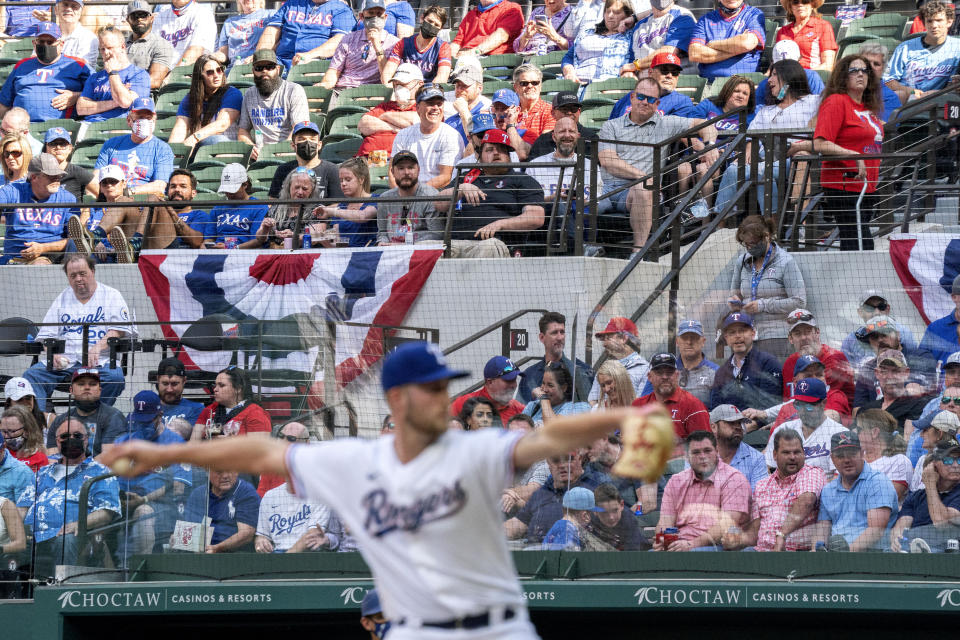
[
  {"x": 47, "y": 53},
  {"x": 139, "y": 28},
  {"x": 87, "y": 406},
  {"x": 71, "y": 448},
  {"x": 429, "y": 31},
  {"x": 728, "y": 11},
  {"x": 307, "y": 150}
]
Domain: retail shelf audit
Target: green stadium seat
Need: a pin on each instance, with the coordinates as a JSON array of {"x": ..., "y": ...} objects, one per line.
[
  {"x": 550, "y": 88},
  {"x": 606, "y": 92},
  {"x": 318, "y": 98},
  {"x": 274, "y": 154},
  {"x": 262, "y": 176},
  {"x": 492, "y": 86},
  {"x": 343, "y": 128},
  {"x": 691, "y": 86},
  {"x": 99, "y": 132},
  {"x": 854, "y": 47},
  {"x": 168, "y": 103},
  {"x": 358, "y": 100},
  {"x": 39, "y": 129},
  {"x": 182, "y": 74},
  {"x": 181, "y": 154},
  {"x": 310, "y": 73},
  {"x": 85, "y": 157},
  {"x": 221, "y": 154},
  {"x": 594, "y": 118},
  {"x": 241, "y": 76},
  {"x": 500, "y": 66},
  {"x": 550, "y": 63},
  {"x": 340, "y": 150},
  {"x": 165, "y": 127}
]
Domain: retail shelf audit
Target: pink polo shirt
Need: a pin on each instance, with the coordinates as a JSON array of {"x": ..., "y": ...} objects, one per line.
[
  {"x": 772, "y": 500},
  {"x": 697, "y": 505}
]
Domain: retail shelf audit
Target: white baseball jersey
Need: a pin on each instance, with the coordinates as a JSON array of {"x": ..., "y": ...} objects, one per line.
[
  {"x": 195, "y": 26},
  {"x": 105, "y": 305},
  {"x": 816, "y": 448},
  {"x": 431, "y": 529},
  {"x": 285, "y": 518}
]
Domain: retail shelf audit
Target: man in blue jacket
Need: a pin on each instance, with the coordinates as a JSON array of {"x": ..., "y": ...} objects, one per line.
[{"x": 750, "y": 377}]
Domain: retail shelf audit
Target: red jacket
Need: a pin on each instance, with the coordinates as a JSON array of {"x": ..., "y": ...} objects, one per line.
[
  {"x": 686, "y": 411},
  {"x": 506, "y": 411}
]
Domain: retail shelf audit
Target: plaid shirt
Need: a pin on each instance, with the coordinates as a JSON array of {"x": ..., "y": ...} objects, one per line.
[{"x": 773, "y": 498}]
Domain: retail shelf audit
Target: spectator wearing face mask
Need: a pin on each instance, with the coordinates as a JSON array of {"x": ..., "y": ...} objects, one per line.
[
  {"x": 816, "y": 429},
  {"x": 306, "y": 143},
  {"x": 361, "y": 55},
  {"x": 423, "y": 50},
  {"x": 145, "y": 160}
]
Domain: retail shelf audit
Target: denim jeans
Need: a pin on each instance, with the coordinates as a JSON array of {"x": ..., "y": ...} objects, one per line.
[{"x": 728, "y": 187}]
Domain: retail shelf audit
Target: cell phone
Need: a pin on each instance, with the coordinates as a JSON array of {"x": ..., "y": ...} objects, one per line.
[{"x": 541, "y": 19}]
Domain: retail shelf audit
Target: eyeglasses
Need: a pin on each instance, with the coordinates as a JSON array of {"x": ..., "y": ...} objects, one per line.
[
  {"x": 947, "y": 400},
  {"x": 669, "y": 71},
  {"x": 263, "y": 68},
  {"x": 213, "y": 72},
  {"x": 12, "y": 154},
  {"x": 796, "y": 2},
  {"x": 528, "y": 83},
  {"x": 796, "y": 317},
  {"x": 293, "y": 438},
  {"x": 949, "y": 460},
  {"x": 648, "y": 99},
  {"x": 11, "y": 433},
  {"x": 852, "y": 71}
]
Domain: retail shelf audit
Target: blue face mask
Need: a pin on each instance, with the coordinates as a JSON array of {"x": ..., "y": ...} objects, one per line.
[
  {"x": 381, "y": 628},
  {"x": 144, "y": 431}
]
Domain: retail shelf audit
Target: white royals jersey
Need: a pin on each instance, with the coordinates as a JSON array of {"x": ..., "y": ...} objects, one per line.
[
  {"x": 105, "y": 305},
  {"x": 285, "y": 518},
  {"x": 431, "y": 529},
  {"x": 195, "y": 26}
]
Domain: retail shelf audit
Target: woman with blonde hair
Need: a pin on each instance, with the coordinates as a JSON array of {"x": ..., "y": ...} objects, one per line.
[
  {"x": 355, "y": 222},
  {"x": 884, "y": 447},
  {"x": 23, "y": 436},
  {"x": 813, "y": 35},
  {"x": 16, "y": 156},
  {"x": 616, "y": 388}
]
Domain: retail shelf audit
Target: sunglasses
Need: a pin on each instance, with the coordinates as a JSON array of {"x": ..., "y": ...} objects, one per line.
[
  {"x": 309, "y": 172},
  {"x": 852, "y": 71},
  {"x": 795, "y": 317},
  {"x": 669, "y": 71},
  {"x": 294, "y": 439},
  {"x": 949, "y": 460},
  {"x": 12, "y": 154},
  {"x": 648, "y": 99},
  {"x": 947, "y": 400},
  {"x": 883, "y": 306},
  {"x": 506, "y": 369},
  {"x": 569, "y": 110},
  {"x": 796, "y": 2},
  {"x": 109, "y": 182},
  {"x": 528, "y": 83},
  {"x": 213, "y": 72},
  {"x": 261, "y": 68}
]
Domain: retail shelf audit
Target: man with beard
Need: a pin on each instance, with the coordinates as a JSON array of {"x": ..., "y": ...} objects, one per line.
[
  {"x": 48, "y": 84},
  {"x": 433, "y": 141},
  {"x": 171, "y": 378},
  {"x": 146, "y": 161},
  {"x": 704, "y": 500},
  {"x": 494, "y": 200},
  {"x": 468, "y": 99},
  {"x": 306, "y": 143},
  {"x": 727, "y": 424},
  {"x": 565, "y": 104},
  {"x": 53, "y": 505},
  {"x": 750, "y": 378},
  {"x": 178, "y": 225},
  {"x": 899, "y": 397},
  {"x": 688, "y": 413},
  {"x": 881, "y": 333},
  {"x": 272, "y": 106},
  {"x": 111, "y": 92},
  {"x": 859, "y": 505},
  {"x": 380, "y": 125},
  {"x": 396, "y": 219},
  {"x": 235, "y": 225},
  {"x": 809, "y": 398},
  {"x": 804, "y": 335},
  {"x": 145, "y": 48},
  {"x": 499, "y": 386},
  {"x": 553, "y": 337},
  {"x": 103, "y": 423},
  {"x": 785, "y": 504}
]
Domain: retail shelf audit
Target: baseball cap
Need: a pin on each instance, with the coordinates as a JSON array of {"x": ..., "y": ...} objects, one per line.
[
  {"x": 496, "y": 136},
  {"x": 416, "y": 363},
  {"x": 799, "y": 317},
  {"x": 146, "y": 407},
  {"x": 407, "y": 72},
  {"x": 468, "y": 75},
  {"x": 876, "y": 324},
  {"x": 79, "y": 2},
  {"x": 264, "y": 55},
  {"x": 809, "y": 390},
  {"x": 786, "y": 50},
  {"x": 870, "y": 293},
  {"x": 373, "y": 4},
  {"x": 85, "y": 372},
  {"x": 112, "y": 172},
  {"x": 429, "y": 92},
  {"x": 580, "y": 499},
  {"x": 231, "y": 179},
  {"x": 943, "y": 448},
  {"x": 843, "y": 439},
  {"x": 46, "y": 164},
  {"x": 144, "y": 104},
  {"x": 946, "y": 422},
  {"x": 500, "y": 367},
  {"x": 138, "y": 5},
  {"x": 506, "y": 97},
  {"x": 953, "y": 359},
  {"x": 17, "y": 388},
  {"x": 727, "y": 413},
  {"x": 663, "y": 360},
  {"x": 805, "y": 361},
  {"x": 305, "y": 125},
  {"x": 690, "y": 326},
  {"x": 48, "y": 29},
  {"x": 565, "y": 99},
  {"x": 894, "y": 356},
  {"x": 666, "y": 58},
  {"x": 171, "y": 367},
  {"x": 482, "y": 122},
  {"x": 370, "y": 606},
  {"x": 404, "y": 155},
  {"x": 57, "y": 133},
  {"x": 738, "y": 317},
  {"x": 619, "y": 324},
  {"x": 955, "y": 286}
]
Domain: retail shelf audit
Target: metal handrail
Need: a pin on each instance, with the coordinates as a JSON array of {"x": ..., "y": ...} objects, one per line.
[{"x": 503, "y": 325}]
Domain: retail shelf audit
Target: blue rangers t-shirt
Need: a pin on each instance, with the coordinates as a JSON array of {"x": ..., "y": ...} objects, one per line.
[
  {"x": 305, "y": 25},
  {"x": 199, "y": 220},
  {"x": 707, "y": 110},
  {"x": 97, "y": 88},
  {"x": 32, "y": 223},
  {"x": 240, "y": 34},
  {"x": 926, "y": 68},
  {"x": 150, "y": 482},
  {"x": 675, "y": 33},
  {"x": 456, "y": 121},
  {"x": 141, "y": 163},
  {"x": 714, "y": 26},
  {"x": 240, "y": 221},
  {"x": 32, "y": 85},
  {"x": 397, "y": 13},
  {"x": 185, "y": 409},
  {"x": 672, "y": 104}
]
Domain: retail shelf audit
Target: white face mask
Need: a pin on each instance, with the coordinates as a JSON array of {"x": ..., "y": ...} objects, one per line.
[
  {"x": 402, "y": 94},
  {"x": 143, "y": 128}
]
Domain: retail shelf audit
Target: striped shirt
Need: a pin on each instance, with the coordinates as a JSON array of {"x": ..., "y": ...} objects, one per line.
[{"x": 772, "y": 499}]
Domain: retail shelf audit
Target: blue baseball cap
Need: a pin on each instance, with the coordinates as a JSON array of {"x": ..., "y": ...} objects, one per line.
[
  {"x": 57, "y": 133},
  {"x": 803, "y": 362},
  {"x": 48, "y": 29},
  {"x": 500, "y": 367},
  {"x": 580, "y": 499},
  {"x": 429, "y": 92},
  {"x": 370, "y": 606},
  {"x": 308, "y": 125},
  {"x": 144, "y": 104},
  {"x": 738, "y": 317},
  {"x": 146, "y": 407},
  {"x": 507, "y": 97},
  {"x": 482, "y": 122},
  {"x": 416, "y": 363},
  {"x": 689, "y": 326},
  {"x": 809, "y": 390}
]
